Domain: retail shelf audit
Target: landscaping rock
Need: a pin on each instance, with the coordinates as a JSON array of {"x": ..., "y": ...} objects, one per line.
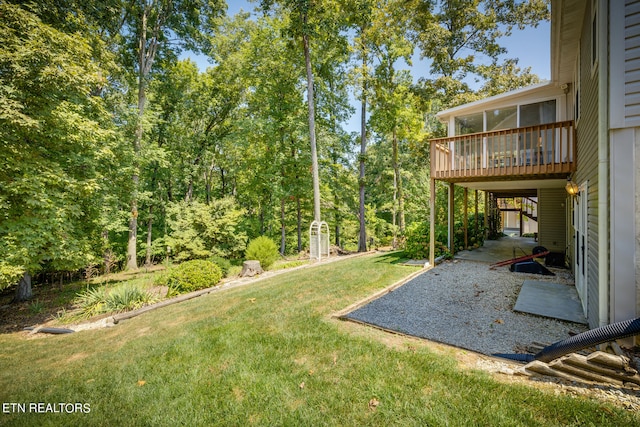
[{"x": 251, "y": 268}]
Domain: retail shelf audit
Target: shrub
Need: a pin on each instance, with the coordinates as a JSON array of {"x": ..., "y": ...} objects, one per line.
[
  {"x": 417, "y": 240},
  {"x": 223, "y": 263},
  {"x": 101, "y": 300},
  {"x": 193, "y": 275},
  {"x": 199, "y": 230},
  {"x": 264, "y": 250}
]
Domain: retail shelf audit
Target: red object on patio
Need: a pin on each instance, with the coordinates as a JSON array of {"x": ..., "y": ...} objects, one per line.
[{"x": 514, "y": 260}]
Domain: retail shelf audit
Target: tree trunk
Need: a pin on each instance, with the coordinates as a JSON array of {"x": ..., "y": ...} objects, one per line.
[
  {"x": 398, "y": 170},
  {"x": 132, "y": 261},
  {"x": 283, "y": 229},
  {"x": 106, "y": 255},
  {"x": 338, "y": 219},
  {"x": 299, "y": 225},
  {"x": 147, "y": 261},
  {"x": 362, "y": 240},
  {"x": 312, "y": 124},
  {"x": 23, "y": 291},
  {"x": 394, "y": 161}
]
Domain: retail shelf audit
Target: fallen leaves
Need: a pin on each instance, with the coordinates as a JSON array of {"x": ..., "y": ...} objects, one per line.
[{"x": 373, "y": 404}]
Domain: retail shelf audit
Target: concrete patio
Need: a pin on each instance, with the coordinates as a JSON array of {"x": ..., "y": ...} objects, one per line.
[{"x": 507, "y": 247}]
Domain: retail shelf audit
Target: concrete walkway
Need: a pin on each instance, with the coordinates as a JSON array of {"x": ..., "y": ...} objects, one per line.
[{"x": 505, "y": 248}]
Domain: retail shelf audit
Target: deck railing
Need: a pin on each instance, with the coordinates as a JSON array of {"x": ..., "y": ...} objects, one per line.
[{"x": 541, "y": 150}]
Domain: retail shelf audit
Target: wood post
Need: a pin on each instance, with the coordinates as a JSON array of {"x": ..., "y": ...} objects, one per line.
[
  {"x": 451, "y": 218},
  {"x": 466, "y": 218},
  {"x": 432, "y": 222}
]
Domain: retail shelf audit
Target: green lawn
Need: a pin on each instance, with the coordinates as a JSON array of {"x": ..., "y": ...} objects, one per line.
[{"x": 269, "y": 354}]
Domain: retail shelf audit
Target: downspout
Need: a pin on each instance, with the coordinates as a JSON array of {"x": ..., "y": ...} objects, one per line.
[{"x": 603, "y": 163}]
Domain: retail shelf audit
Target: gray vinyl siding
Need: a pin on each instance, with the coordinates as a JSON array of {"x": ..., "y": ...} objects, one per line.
[
  {"x": 551, "y": 219},
  {"x": 632, "y": 111},
  {"x": 632, "y": 62},
  {"x": 587, "y": 162}
]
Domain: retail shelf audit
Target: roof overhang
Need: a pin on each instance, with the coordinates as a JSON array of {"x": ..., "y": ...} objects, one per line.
[
  {"x": 500, "y": 100},
  {"x": 566, "y": 27}
]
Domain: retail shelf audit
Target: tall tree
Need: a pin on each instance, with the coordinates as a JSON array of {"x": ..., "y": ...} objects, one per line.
[
  {"x": 395, "y": 115},
  {"x": 305, "y": 17},
  {"x": 361, "y": 16},
  {"x": 459, "y": 36},
  {"x": 150, "y": 25},
  {"x": 54, "y": 132}
]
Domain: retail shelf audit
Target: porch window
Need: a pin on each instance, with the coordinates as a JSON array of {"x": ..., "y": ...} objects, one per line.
[
  {"x": 471, "y": 123},
  {"x": 539, "y": 113},
  {"x": 503, "y": 118}
]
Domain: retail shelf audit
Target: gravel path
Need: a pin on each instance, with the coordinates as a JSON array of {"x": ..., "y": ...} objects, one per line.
[{"x": 465, "y": 304}]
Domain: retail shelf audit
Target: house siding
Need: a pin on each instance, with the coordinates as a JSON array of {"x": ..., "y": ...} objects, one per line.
[
  {"x": 587, "y": 161},
  {"x": 632, "y": 63},
  {"x": 551, "y": 213}
]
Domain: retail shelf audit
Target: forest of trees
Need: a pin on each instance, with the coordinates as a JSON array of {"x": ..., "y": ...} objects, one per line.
[{"x": 113, "y": 150}]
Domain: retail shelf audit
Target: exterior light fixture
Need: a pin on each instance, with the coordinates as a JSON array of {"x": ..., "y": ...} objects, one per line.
[{"x": 571, "y": 187}]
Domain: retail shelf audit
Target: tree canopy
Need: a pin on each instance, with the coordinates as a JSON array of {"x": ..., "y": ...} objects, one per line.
[{"x": 111, "y": 147}]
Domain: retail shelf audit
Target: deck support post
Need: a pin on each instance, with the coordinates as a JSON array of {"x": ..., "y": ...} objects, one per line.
[
  {"x": 451, "y": 217},
  {"x": 466, "y": 218},
  {"x": 475, "y": 224},
  {"x": 432, "y": 222},
  {"x": 486, "y": 215}
]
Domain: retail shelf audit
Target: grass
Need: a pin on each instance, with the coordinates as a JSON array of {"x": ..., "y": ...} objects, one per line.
[{"x": 269, "y": 354}]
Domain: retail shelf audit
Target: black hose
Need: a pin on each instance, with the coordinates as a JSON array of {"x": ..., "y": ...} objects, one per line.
[
  {"x": 612, "y": 332},
  {"x": 593, "y": 337},
  {"x": 51, "y": 330},
  {"x": 518, "y": 357}
]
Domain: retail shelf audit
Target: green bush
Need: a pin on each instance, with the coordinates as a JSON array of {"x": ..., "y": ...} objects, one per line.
[
  {"x": 264, "y": 250},
  {"x": 193, "y": 275},
  {"x": 417, "y": 241},
  {"x": 101, "y": 300},
  {"x": 199, "y": 230},
  {"x": 223, "y": 263}
]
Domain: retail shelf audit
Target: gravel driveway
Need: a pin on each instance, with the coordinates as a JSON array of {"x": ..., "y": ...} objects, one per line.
[{"x": 463, "y": 303}]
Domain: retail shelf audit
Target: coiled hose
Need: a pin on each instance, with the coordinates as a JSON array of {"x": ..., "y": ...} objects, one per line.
[{"x": 612, "y": 332}]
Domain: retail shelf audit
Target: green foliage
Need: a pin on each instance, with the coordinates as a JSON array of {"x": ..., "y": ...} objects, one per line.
[
  {"x": 53, "y": 134},
  {"x": 36, "y": 307},
  {"x": 417, "y": 241},
  {"x": 264, "y": 250},
  {"x": 9, "y": 274},
  {"x": 192, "y": 276},
  {"x": 200, "y": 230},
  {"x": 93, "y": 302},
  {"x": 223, "y": 264}
]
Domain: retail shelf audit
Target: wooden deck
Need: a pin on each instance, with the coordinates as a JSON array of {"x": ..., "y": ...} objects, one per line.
[{"x": 535, "y": 152}]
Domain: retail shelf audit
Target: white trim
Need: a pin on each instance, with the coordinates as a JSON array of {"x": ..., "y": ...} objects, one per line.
[
  {"x": 623, "y": 230},
  {"x": 581, "y": 244},
  {"x": 594, "y": 53},
  {"x": 560, "y": 107},
  {"x": 616, "y": 66},
  {"x": 481, "y": 104},
  {"x": 603, "y": 173}
]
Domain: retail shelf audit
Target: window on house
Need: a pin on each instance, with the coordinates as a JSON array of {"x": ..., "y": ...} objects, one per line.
[
  {"x": 504, "y": 118},
  {"x": 469, "y": 124},
  {"x": 539, "y": 113}
]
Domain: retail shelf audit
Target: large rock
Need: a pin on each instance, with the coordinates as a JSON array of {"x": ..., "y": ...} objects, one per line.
[{"x": 250, "y": 268}]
